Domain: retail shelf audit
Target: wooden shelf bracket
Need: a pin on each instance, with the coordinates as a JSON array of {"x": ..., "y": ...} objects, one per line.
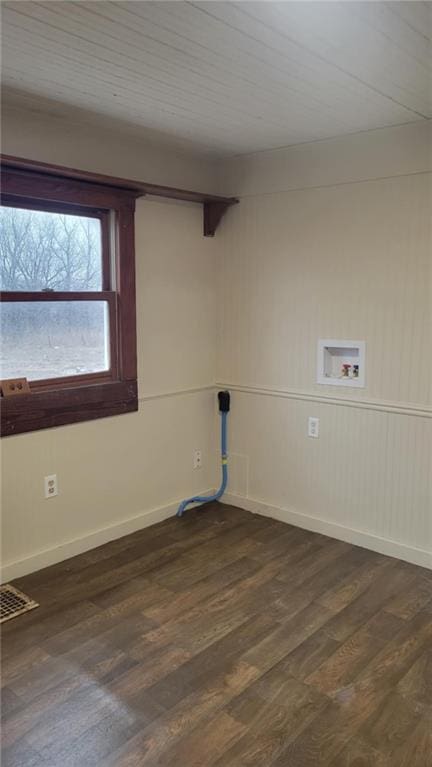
[{"x": 213, "y": 211}]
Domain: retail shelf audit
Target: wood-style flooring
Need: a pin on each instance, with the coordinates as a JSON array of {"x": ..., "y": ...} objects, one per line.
[{"x": 223, "y": 639}]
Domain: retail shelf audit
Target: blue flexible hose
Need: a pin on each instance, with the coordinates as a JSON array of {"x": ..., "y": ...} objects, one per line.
[{"x": 224, "y": 460}]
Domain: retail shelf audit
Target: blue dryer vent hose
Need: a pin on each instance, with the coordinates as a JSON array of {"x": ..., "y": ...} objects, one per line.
[{"x": 224, "y": 406}]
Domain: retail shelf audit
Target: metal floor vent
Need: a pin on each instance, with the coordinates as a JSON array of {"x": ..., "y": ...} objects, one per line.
[{"x": 13, "y": 603}]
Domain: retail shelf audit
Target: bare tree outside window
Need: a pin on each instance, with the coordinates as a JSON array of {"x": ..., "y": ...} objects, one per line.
[
  {"x": 47, "y": 251},
  {"x": 40, "y": 250}
]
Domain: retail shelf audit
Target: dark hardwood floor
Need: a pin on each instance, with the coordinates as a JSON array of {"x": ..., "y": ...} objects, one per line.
[{"x": 221, "y": 639}]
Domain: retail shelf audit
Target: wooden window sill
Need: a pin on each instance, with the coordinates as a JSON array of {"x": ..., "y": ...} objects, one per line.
[{"x": 47, "y": 408}]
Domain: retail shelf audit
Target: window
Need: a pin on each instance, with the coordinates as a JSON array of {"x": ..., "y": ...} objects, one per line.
[
  {"x": 67, "y": 308},
  {"x": 51, "y": 252}
]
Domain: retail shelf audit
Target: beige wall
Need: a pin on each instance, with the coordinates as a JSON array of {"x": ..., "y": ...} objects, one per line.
[
  {"x": 103, "y": 147},
  {"x": 332, "y": 240},
  {"x": 118, "y": 474}
]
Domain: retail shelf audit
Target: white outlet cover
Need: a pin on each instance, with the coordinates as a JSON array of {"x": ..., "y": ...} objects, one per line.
[
  {"x": 313, "y": 427},
  {"x": 51, "y": 486}
]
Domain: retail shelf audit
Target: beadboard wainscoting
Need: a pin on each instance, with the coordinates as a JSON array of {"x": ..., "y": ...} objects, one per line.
[
  {"x": 116, "y": 475},
  {"x": 366, "y": 480},
  {"x": 332, "y": 240}
]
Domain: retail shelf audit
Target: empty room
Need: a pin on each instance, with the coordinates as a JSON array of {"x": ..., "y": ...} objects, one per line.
[{"x": 216, "y": 383}]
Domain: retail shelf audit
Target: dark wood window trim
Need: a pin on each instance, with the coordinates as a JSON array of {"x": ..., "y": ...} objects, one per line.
[
  {"x": 214, "y": 206},
  {"x": 55, "y": 402}
]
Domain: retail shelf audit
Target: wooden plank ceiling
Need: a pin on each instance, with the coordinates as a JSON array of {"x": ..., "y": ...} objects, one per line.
[{"x": 232, "y": 77}]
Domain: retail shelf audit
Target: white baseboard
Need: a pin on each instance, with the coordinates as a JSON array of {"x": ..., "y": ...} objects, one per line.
[
  {"x": 385, "y": 546},
  {"x": 52, "y": 556}
]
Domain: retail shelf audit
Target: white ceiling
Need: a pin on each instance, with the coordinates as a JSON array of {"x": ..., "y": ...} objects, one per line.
[{"x": 232, "y": 77}]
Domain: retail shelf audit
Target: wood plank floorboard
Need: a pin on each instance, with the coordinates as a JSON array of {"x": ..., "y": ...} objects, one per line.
[{"x": 224, "y": 639}]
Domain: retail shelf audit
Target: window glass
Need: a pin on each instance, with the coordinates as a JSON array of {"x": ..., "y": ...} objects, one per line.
[
  {"x": 41, "y": 250},
  {"x": 53, "y": 339}
]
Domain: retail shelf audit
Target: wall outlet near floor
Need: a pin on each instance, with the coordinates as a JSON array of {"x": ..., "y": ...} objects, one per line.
[
  {"x": 197, "y": 459},
  {"x": 51, "y": 486},
  {"x": 313, "y": 427}
]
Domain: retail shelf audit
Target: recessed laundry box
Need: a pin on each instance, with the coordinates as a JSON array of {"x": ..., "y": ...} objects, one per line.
[{"x": 341, "y": 362}]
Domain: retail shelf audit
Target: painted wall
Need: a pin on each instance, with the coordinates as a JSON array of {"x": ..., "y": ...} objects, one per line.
[
  {"x": 118, "y": 474},
  {"x": 332, "y": 240},
  {"x": 106, "y": 146}
]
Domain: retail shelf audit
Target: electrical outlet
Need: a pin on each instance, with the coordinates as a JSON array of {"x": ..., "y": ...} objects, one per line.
[
  {"x": 51, "y": 487},
  {"x": 313, "y": 427},
  {"x": 197, "y": 459}
]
